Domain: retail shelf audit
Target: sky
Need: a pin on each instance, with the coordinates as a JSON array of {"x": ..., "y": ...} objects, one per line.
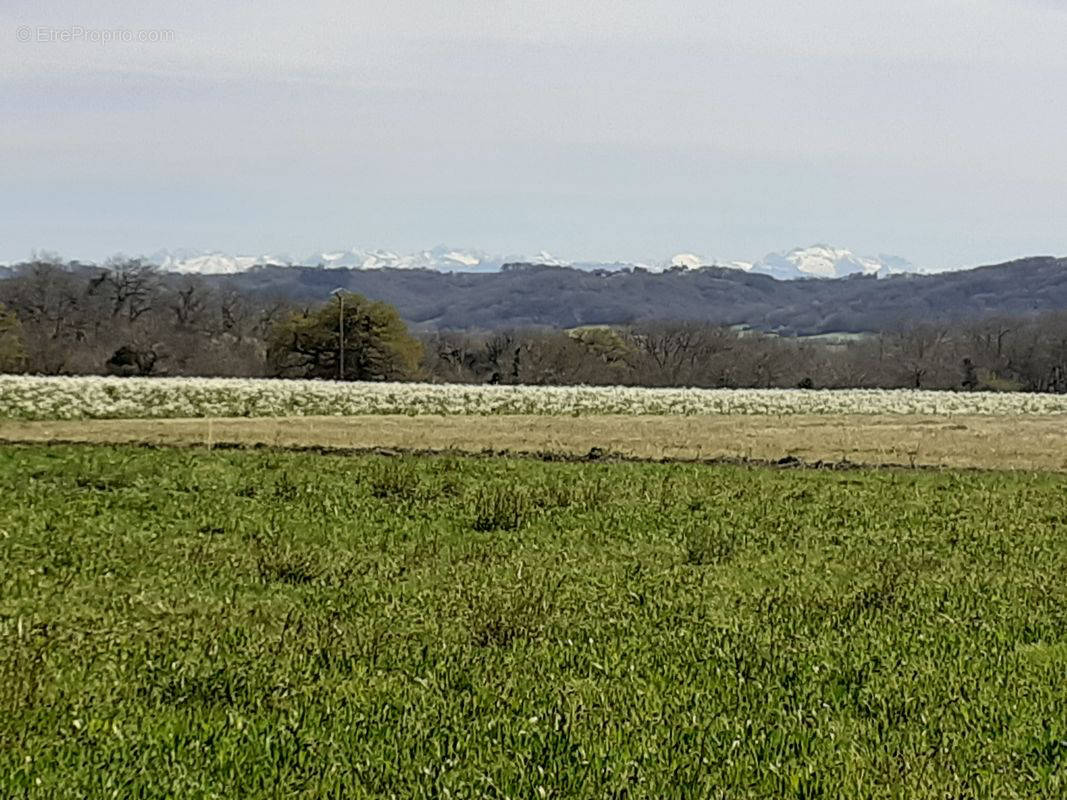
[{"x": 595, "y": 130}]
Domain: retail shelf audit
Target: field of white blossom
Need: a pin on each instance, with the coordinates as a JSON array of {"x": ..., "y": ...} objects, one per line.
[{"x": 45, "y": 398}]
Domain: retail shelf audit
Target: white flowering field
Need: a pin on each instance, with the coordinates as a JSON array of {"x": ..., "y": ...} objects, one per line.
[{"x": 44, "y": 398}]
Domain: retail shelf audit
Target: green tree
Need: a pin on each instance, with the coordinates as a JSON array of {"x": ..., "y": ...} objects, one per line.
[
  {"x": 12, "y": 351},
  {"x": 377, "y": 345}
]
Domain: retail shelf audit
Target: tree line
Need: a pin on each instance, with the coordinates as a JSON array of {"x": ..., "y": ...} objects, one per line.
[{"x": 129, "y": 318}]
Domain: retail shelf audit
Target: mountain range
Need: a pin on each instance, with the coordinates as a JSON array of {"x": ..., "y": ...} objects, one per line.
[
  {"x": 534, "y": 295},
  {"x": 817, "y": 261},
  {"x": 530, "y": 294}
]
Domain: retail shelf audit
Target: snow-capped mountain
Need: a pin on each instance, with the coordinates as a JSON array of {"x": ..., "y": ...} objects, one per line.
[
  {"x": 212, "y": 263},
  {"x": 444, "y": 259},
  {"x": 817, "y": 261},
  {"x": 823, "y": 261}
]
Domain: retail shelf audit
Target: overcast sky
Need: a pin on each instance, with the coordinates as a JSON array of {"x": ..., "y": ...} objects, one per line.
[{"x": 600, "y": 129}]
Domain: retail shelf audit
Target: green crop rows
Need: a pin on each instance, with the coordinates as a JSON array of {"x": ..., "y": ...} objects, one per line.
[{"x": 245, "y": 624}]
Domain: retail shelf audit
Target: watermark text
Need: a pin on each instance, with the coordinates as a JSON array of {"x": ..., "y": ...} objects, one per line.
[{"x": 80, "y": 34}]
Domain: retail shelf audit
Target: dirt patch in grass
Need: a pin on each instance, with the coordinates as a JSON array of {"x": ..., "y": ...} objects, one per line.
[{"x": 927, "y": 441}]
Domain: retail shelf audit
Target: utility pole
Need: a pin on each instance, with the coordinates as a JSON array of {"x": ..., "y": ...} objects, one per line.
[{"x": 340, "y": 295}]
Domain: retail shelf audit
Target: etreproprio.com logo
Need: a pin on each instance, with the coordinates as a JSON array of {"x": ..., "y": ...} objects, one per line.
[{"x": 78, "y": 34}]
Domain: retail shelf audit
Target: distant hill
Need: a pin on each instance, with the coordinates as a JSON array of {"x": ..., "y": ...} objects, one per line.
[{"x": 522, "y": 295}]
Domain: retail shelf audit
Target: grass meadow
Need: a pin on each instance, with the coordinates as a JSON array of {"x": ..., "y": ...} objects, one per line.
[{"x": 265, "y": 624}]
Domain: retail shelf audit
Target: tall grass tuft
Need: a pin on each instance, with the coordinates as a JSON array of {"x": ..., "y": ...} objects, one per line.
[{"x": 503, "y": 508}]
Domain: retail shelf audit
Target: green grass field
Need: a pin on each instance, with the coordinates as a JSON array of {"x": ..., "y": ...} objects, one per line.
[{"x": 245, "y": 624}]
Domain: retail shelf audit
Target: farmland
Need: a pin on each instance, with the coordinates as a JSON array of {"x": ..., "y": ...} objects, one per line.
[
  {"x": 900, "y": 427},
  {"x": 224, "y": 614},
  {"x": 262, "y": 624},
  {"x": 983, "y": 441},
  {"x": 48, "y": 398}
]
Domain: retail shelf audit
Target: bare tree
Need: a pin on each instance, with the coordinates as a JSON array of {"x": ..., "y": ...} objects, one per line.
[
  {"x": 918, "y": 351},
  {"x": 683, "y": 353},
  {"x": 129, "y": 284},
  {"x": 189, "y": 303}
]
